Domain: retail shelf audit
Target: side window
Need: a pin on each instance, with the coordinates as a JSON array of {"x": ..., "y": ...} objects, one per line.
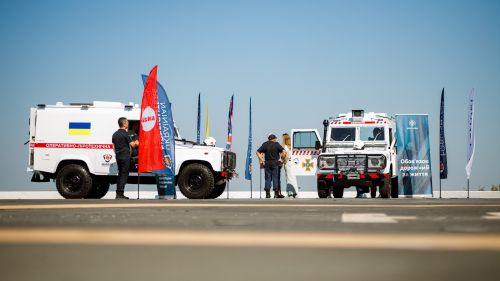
[{"x": 304, "y": 140}]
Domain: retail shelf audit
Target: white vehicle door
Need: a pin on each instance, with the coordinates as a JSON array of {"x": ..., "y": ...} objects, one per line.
[{"x": 304, "y": 155}]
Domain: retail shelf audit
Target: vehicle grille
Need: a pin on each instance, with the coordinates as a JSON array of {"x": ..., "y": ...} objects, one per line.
[
  {"x": 351, "y": 163},
  {"x": 229, "y": 160}
]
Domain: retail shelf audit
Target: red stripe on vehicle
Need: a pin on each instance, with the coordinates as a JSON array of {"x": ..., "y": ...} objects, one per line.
[{"x": 73, "y": 145}]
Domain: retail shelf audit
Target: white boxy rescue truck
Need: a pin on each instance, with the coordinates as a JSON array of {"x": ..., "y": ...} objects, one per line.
[
  {"x": 71, "y": 144},
  {"x": 358, "y": 150}
]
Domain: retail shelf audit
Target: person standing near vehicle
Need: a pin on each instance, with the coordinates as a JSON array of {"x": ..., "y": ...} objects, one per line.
[
  {"x": 134, "y": 151},
  {"x": 122, "y": 144},
  {"x": 270, "y": 154},
  {"x": 291, "y": 179}
]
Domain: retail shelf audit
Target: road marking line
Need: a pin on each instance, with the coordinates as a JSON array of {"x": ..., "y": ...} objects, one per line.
[
  {"x": 492, "y": 216},
  {"x": 367, "y": 218},
  {"x": 221, "y": 205},
  {"x": 373, "y": 218},
  {"x": 401, "y": 218},
  {"x": 157, "y": 237}
]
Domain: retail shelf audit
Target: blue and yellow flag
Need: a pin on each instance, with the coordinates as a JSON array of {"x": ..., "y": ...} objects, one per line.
[{"x": 79, "y": 128}]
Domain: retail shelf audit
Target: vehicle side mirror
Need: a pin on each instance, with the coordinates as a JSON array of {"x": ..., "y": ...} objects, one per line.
[{"x": 317, "y": 145}]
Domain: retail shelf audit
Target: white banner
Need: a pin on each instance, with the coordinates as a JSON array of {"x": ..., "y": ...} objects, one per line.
[{"x": 472, "y": 135}]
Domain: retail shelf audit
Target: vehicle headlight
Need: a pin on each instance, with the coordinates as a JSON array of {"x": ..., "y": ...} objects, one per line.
[
  {"x": 376, "y": 162},
  {"x": 326, "y": 162}
]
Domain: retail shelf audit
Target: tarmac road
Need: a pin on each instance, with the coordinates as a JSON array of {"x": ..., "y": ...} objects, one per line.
[{"x": 306, "y": 239}]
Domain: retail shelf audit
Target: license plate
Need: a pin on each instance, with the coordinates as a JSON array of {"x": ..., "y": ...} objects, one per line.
[{"x": 353, "y": 176}]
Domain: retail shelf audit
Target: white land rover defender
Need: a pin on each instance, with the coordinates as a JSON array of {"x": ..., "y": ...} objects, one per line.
[
  {"x": 71, "y": 144},
  {"x": 358, "y": 149}
]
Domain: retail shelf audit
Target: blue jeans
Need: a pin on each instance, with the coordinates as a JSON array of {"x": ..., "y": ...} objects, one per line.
[{"x": 272, "y": 174}]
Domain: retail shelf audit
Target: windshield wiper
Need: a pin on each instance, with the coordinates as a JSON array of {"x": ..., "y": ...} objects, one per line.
[
  {"x": 346, "y": 137},
  {"x": 377, "y": 136}
]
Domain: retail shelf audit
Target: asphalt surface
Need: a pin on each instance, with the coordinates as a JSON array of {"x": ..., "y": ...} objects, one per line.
[{"x": 306, "y": 239}]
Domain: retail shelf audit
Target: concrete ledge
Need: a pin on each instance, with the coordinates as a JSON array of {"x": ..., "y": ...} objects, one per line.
[{"x": 233, "y": 194}]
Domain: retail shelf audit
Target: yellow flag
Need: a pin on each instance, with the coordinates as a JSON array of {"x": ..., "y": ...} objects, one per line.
[{"x": 207, "y": 124}]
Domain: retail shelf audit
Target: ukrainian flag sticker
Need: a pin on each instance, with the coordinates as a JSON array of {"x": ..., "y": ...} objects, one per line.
[{"x": 79, "y": 128}]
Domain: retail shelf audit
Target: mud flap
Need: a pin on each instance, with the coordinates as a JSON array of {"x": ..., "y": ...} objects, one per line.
[
  {"x": 39, "y": 177},
  {"x": 394, "y": 188}
]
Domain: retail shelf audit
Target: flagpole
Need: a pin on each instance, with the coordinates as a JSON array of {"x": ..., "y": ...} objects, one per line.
[
  {"x": 138, "y": 183},
  {"x": 260, "y": 186},
  {"x": 439, "y": 187},
  {"x": 468, "y": 188},
  {"x": 251, "y": 188},
  {"x": 228, "y": 189}
]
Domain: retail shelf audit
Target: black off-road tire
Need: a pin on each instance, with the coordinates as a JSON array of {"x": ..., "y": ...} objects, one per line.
[
  {"x": 217, "y": 191},
  {"x": 338, "y": 191},
  {"x": 385, "y": 188},
  {"x": 99, "y": 189},
  {"x": 323, "y": 189},
  {"x": 73, "y": 181},
  {"x": 196, "y": 181}
]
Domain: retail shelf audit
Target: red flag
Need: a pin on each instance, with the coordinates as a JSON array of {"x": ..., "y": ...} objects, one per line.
[{"x": 150, "y": 154}]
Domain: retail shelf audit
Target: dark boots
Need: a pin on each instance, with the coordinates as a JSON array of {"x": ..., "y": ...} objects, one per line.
[
  {"x": 268, "y": 194},
  {"x": 120, "y": 195},
  {"x": 277, "y": 194}
]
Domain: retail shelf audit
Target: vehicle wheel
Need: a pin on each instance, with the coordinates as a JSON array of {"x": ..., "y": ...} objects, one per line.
[
  {"x": 385, "y": 188},
  {"x": 394, "y": 188},
  {"x": 73, "y": 182},
  {"x": 196, "y": 181},
  {"x": 338, "y": 191},
  {"x": 373, "y": 191},
  {"x": 99, "y": 189},
  {"x": 217, "y": 191},
  {"x": 323, "y": 189}
]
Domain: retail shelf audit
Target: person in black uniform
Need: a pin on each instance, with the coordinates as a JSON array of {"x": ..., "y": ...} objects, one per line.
[
  {"x": 269, "y": 155},
  {"x": 134, "y": 151},
  {"x": 122, "y": 144}
]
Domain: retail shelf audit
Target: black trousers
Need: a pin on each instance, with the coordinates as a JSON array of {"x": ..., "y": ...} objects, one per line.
[
  {"x": 272, "y": 175},
  {"x": 123, "y": 170}
]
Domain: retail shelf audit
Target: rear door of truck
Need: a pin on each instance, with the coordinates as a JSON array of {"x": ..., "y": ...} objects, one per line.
[{"x": 31, "y": 140}]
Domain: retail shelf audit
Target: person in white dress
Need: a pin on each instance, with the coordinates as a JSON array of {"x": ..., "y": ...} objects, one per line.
[{"x": 291, "y": 180}]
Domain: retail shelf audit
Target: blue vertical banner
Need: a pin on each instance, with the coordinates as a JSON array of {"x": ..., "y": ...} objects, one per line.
[
  {"x": 166, "y": 176},
  {"x": 443, "y": 160},
  {"x": 248, "y": 166},
  {"x": 413, "y": 155},
  {"x": 198, "y": 120},
  {"x": 229, "y": 143}
]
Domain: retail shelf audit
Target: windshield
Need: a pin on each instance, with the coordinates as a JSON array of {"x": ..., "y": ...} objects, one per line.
[
  {"x": 343, "y": 134},
  {"x": 372, "y": 134}
]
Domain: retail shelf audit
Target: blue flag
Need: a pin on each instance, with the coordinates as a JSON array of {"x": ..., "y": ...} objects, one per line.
[
  {"x": 248, "y": 167},
  {"x": 167, "y": 132},
  {"x": 443, "y": 161},
  {"x": 198, "y": 122}
]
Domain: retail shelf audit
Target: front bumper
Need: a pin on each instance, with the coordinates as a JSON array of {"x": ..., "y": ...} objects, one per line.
[{"x": 352, "y": 176}]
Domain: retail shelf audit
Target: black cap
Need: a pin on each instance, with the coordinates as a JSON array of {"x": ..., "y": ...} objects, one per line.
[{"x": 271, "y": 137}]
